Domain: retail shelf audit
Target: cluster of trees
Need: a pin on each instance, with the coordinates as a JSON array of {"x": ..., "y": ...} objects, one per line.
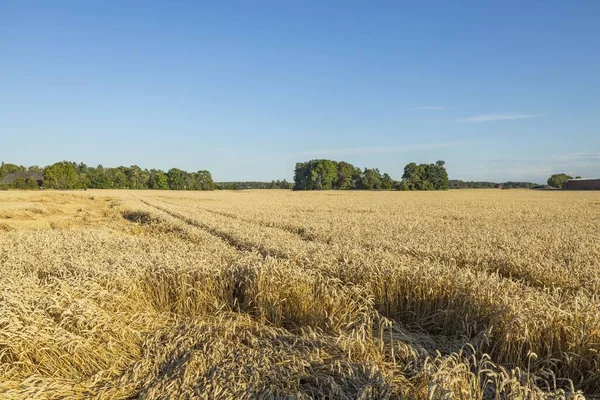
[
  {"x": 6, "y": 168},
  {"x": 425, "y": 177},
  {"x": 458, "y": 184},
  {"x": 557, "y": 180},
  {"x": 328, "y": 174},
  {"x": 284, "y": 184},
  {"x": 19, "y": 183},
  {"x": 71, "y": 175}
]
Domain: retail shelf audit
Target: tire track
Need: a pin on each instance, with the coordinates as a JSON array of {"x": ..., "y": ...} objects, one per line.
[
  {"x": 231, "y": 240},
  {"x": 298, "y": 231},
  {"x": 490, "y": 266},
  {"x": 501, "y": 267},
  {"x": 301, "y": 232}
]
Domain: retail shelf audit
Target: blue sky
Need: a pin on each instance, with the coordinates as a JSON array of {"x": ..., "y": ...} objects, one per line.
[{"x": 499, "y": 90}]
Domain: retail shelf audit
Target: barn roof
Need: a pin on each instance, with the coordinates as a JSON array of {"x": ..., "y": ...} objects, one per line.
[
  {"x": 584, "y": 179},
  {"x": 9, "y": 178}
]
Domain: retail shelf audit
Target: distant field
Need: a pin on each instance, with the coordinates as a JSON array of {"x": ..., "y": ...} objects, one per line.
[{"x": 278, "y": 294}]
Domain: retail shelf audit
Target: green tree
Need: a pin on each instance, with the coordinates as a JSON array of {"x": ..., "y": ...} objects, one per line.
[
  {"x": 412, "y": 177},
  {"x": 137, "y": 178},
  {"x": 25, "y": 183},
  {"x": 387, "y": 182},
  {"x": 301, "y": 176},
  {"x": 370, "y": 179},
  {"x": 117, "y": 177},
  {"x": 99, "y": 178},
  {"x": 6, "y": 169},
  {"x": 61, "y": 175},
  {"x": 425, "y": 176},
  {"x": 158, "y": 180},
  {"x": 315, "y": 175},
  {"x": 439, "y": 176},
  {"x": 203, "y": 181},
  {"x": 323, "y": 174},
  {"x": 557, "y": 180},
  {"x": 285, "y": 184},
  {"x": 177, "y": 179},
  {"x": 347, "y": 175}
]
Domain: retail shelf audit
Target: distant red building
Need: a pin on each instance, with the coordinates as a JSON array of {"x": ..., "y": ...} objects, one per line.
[{"x": 582, "y": 184}]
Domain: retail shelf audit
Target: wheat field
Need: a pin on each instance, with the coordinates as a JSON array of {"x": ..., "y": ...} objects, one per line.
[{"x": 473, "y": 294}]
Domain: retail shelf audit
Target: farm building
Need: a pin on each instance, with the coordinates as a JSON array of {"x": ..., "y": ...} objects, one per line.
[
  {"x": 582, "y": 184},
  {"x": 38, "y": 177}
]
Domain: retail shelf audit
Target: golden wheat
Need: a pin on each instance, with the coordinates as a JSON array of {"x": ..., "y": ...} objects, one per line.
[{"x": 275, "y": 294}]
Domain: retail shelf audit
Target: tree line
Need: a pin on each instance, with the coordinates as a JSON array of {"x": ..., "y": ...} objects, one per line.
[
  {"x": 318, "y": 174},
  {"x": 284, "y": 184},
  {"x": 458, "y": 184},
  {"x": 72, "y": 175},
  {"x": 324, "y": 174}
]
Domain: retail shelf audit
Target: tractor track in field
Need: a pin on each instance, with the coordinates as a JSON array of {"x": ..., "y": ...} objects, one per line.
[
  {"x": 298, "y": 231},
  {"x": 229, "y": 239},
  {"x": 488, "y": 267},
  {"x": 491, "y": 266}
]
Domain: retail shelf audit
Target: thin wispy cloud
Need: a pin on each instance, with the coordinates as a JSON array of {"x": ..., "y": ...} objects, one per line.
[
  {"x": 535, "y": 169},
  {"x": 384, "y": 149},
  {"x": 564, "y": 157},
  {"x": 431, "y": 108},
  {"x": 594, "y": 155},
  {"x": 496, "y": 117}
]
